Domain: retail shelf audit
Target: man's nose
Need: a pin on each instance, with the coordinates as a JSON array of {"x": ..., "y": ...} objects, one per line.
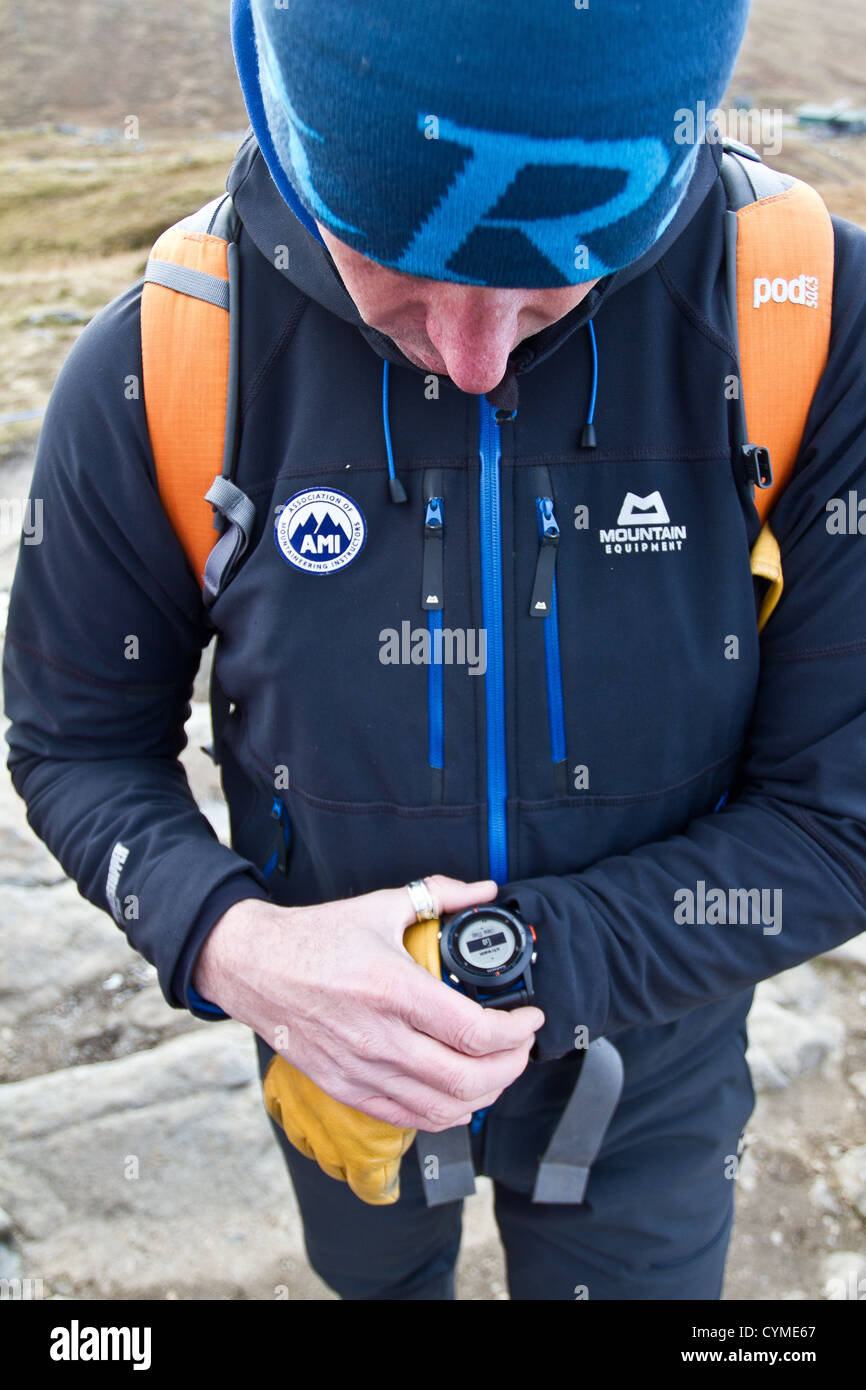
[{"x": 474, "y": 331}]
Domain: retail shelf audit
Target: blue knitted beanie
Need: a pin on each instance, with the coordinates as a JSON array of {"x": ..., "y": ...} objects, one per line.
[{"x": 513, "y": 143}]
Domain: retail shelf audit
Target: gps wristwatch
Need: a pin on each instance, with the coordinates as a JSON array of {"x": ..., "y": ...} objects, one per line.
[{"x": 488, "y": 953}]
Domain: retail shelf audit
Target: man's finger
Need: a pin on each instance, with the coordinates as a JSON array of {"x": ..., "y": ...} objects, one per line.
[
  {"x": 432, "y": 1007},
  {"x": 426, "y": 1061},
  {"x": 447, "y": 895},
  {"x": 393, "y": 1113}
]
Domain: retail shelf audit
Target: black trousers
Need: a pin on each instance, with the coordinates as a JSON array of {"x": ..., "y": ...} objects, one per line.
[{"x": 655, "y": 1222}]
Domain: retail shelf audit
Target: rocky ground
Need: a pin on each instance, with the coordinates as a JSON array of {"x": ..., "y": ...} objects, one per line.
[{"x": 136, "y": 1160}]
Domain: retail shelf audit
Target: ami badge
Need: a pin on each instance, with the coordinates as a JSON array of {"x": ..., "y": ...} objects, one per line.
[{"x": 320, "y": 531}]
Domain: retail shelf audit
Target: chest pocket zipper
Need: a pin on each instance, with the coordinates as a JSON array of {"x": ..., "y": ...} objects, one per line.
[
  {"x": 543, "y": 606},
  {"x": 433, "y": 601}
]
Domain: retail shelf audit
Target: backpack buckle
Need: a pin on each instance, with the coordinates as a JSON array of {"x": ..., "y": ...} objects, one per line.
[
  {"x": 238, "y": 514},
  {"x": 759, "y": 469}
]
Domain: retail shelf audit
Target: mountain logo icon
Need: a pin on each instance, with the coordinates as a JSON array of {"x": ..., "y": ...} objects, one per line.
[
  {"x": 640, "y": 511},
  {"x": 320, "y": 530},
  {"x": 319, "y": 534}
]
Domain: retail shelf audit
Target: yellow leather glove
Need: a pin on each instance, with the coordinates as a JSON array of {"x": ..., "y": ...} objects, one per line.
[{"x": 347, "y": 1145}]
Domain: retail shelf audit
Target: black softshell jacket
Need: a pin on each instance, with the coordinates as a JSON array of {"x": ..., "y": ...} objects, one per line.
[{"x": 609, "y": 763}]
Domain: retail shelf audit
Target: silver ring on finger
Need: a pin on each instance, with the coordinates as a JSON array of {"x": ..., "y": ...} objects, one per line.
[{"x": 422, "y": 900}]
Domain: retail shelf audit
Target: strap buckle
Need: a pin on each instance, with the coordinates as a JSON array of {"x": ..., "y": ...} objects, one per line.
[
  {"x": 759, "y": 469},
  {"x": 239, "y": 514}
]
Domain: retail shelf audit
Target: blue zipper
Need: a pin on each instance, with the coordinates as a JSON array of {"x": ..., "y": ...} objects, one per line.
[
  {"x": 494, "y": 680},
  {"x": 491, "y": 607},
  {"x": 435, "y": 713},
  {"x": 549, "y": 530},
  {"x": 433, "y": 600},
  {"x": 284, "y": 839}
]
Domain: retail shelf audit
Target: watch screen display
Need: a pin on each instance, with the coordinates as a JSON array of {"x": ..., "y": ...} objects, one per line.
[
  {"x": 487, "y": 945},
  {"x": 484, "y": 941}
]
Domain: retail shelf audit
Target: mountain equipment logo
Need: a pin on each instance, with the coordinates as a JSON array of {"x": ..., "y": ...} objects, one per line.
[
  {"x": 803, "y": 289},
  {"x": 643, "y": 524},
  {"x": 320, "y": 531},
  {"x": 643, "y": 509}
]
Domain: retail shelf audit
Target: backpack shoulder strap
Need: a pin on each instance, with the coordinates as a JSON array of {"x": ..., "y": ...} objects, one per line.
[
  {"x": 779, "y": 241},
  {"x": 189, "y": 347}
]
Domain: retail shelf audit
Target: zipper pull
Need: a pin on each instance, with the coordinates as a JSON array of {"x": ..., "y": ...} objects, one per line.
[
  {"x": 545, "y": 568},
  {"x": 432, "y": 577}
]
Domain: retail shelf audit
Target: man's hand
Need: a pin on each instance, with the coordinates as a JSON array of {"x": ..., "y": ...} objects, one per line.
[{"x": 332, "y": 989}]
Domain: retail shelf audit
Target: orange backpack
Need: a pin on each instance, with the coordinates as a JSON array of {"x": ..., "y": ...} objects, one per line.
[{"x": 779, "y": 255}]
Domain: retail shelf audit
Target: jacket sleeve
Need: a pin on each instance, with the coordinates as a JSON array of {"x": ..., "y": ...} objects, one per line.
[
  {"x": 616, "y": 948},
  {"x": 105, "y": 632}
]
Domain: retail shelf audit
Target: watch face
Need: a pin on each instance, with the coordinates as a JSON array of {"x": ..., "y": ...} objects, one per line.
[{"x": 486, "y": 943}]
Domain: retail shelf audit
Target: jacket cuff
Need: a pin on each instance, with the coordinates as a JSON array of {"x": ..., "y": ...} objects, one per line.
[
  {"x": 232, "y": 890},
  {"x": 570, "y": 976}
]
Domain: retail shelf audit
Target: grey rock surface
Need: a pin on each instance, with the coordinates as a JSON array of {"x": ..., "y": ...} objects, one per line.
[
  {"x": 844, "y": 1274},
  {"x": 156, "y": 1172},
  {"x": 851, "y": 952},
  {"x": 789, "y": 1034},
  {"x": 850, "y": 1172}
]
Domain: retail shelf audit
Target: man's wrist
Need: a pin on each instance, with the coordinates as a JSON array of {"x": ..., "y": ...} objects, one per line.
[
  {"x": 182, "y": 991},
  {"x": 223, "y": 948}
]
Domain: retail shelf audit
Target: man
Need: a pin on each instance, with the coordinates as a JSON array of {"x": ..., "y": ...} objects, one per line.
[{"x": 480, "y": 275}]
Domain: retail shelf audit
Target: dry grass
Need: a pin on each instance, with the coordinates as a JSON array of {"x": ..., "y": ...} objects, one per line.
[
  {"x": 75, "y": 226},
  {"x": 68, "y": 196},
  {"x": 97, "y": 61}
]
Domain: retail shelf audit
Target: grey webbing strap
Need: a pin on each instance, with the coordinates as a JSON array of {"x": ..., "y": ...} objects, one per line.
[
  {"x": 228, "y": 500},
  {"x": 767, "y": 182},
  {"x": 202, "y": 219},
  {"x": 738, "y": 187},
  {"x": 445, "y": 1161},
  {"x": 196, "y": 283},
  {"x": 235, "y": 506},
  {"x": 747, "y": 179},
  {"x": 564, "y": 1170}
]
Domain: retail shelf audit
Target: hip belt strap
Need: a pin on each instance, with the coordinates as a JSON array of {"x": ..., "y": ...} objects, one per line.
[
  {"x": 446, "y": 1159},
  {"x": 573, "y": 1148}
]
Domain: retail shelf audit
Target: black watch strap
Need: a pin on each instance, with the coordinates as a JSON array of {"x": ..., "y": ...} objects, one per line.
[{"x": 517, "y": 994}]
